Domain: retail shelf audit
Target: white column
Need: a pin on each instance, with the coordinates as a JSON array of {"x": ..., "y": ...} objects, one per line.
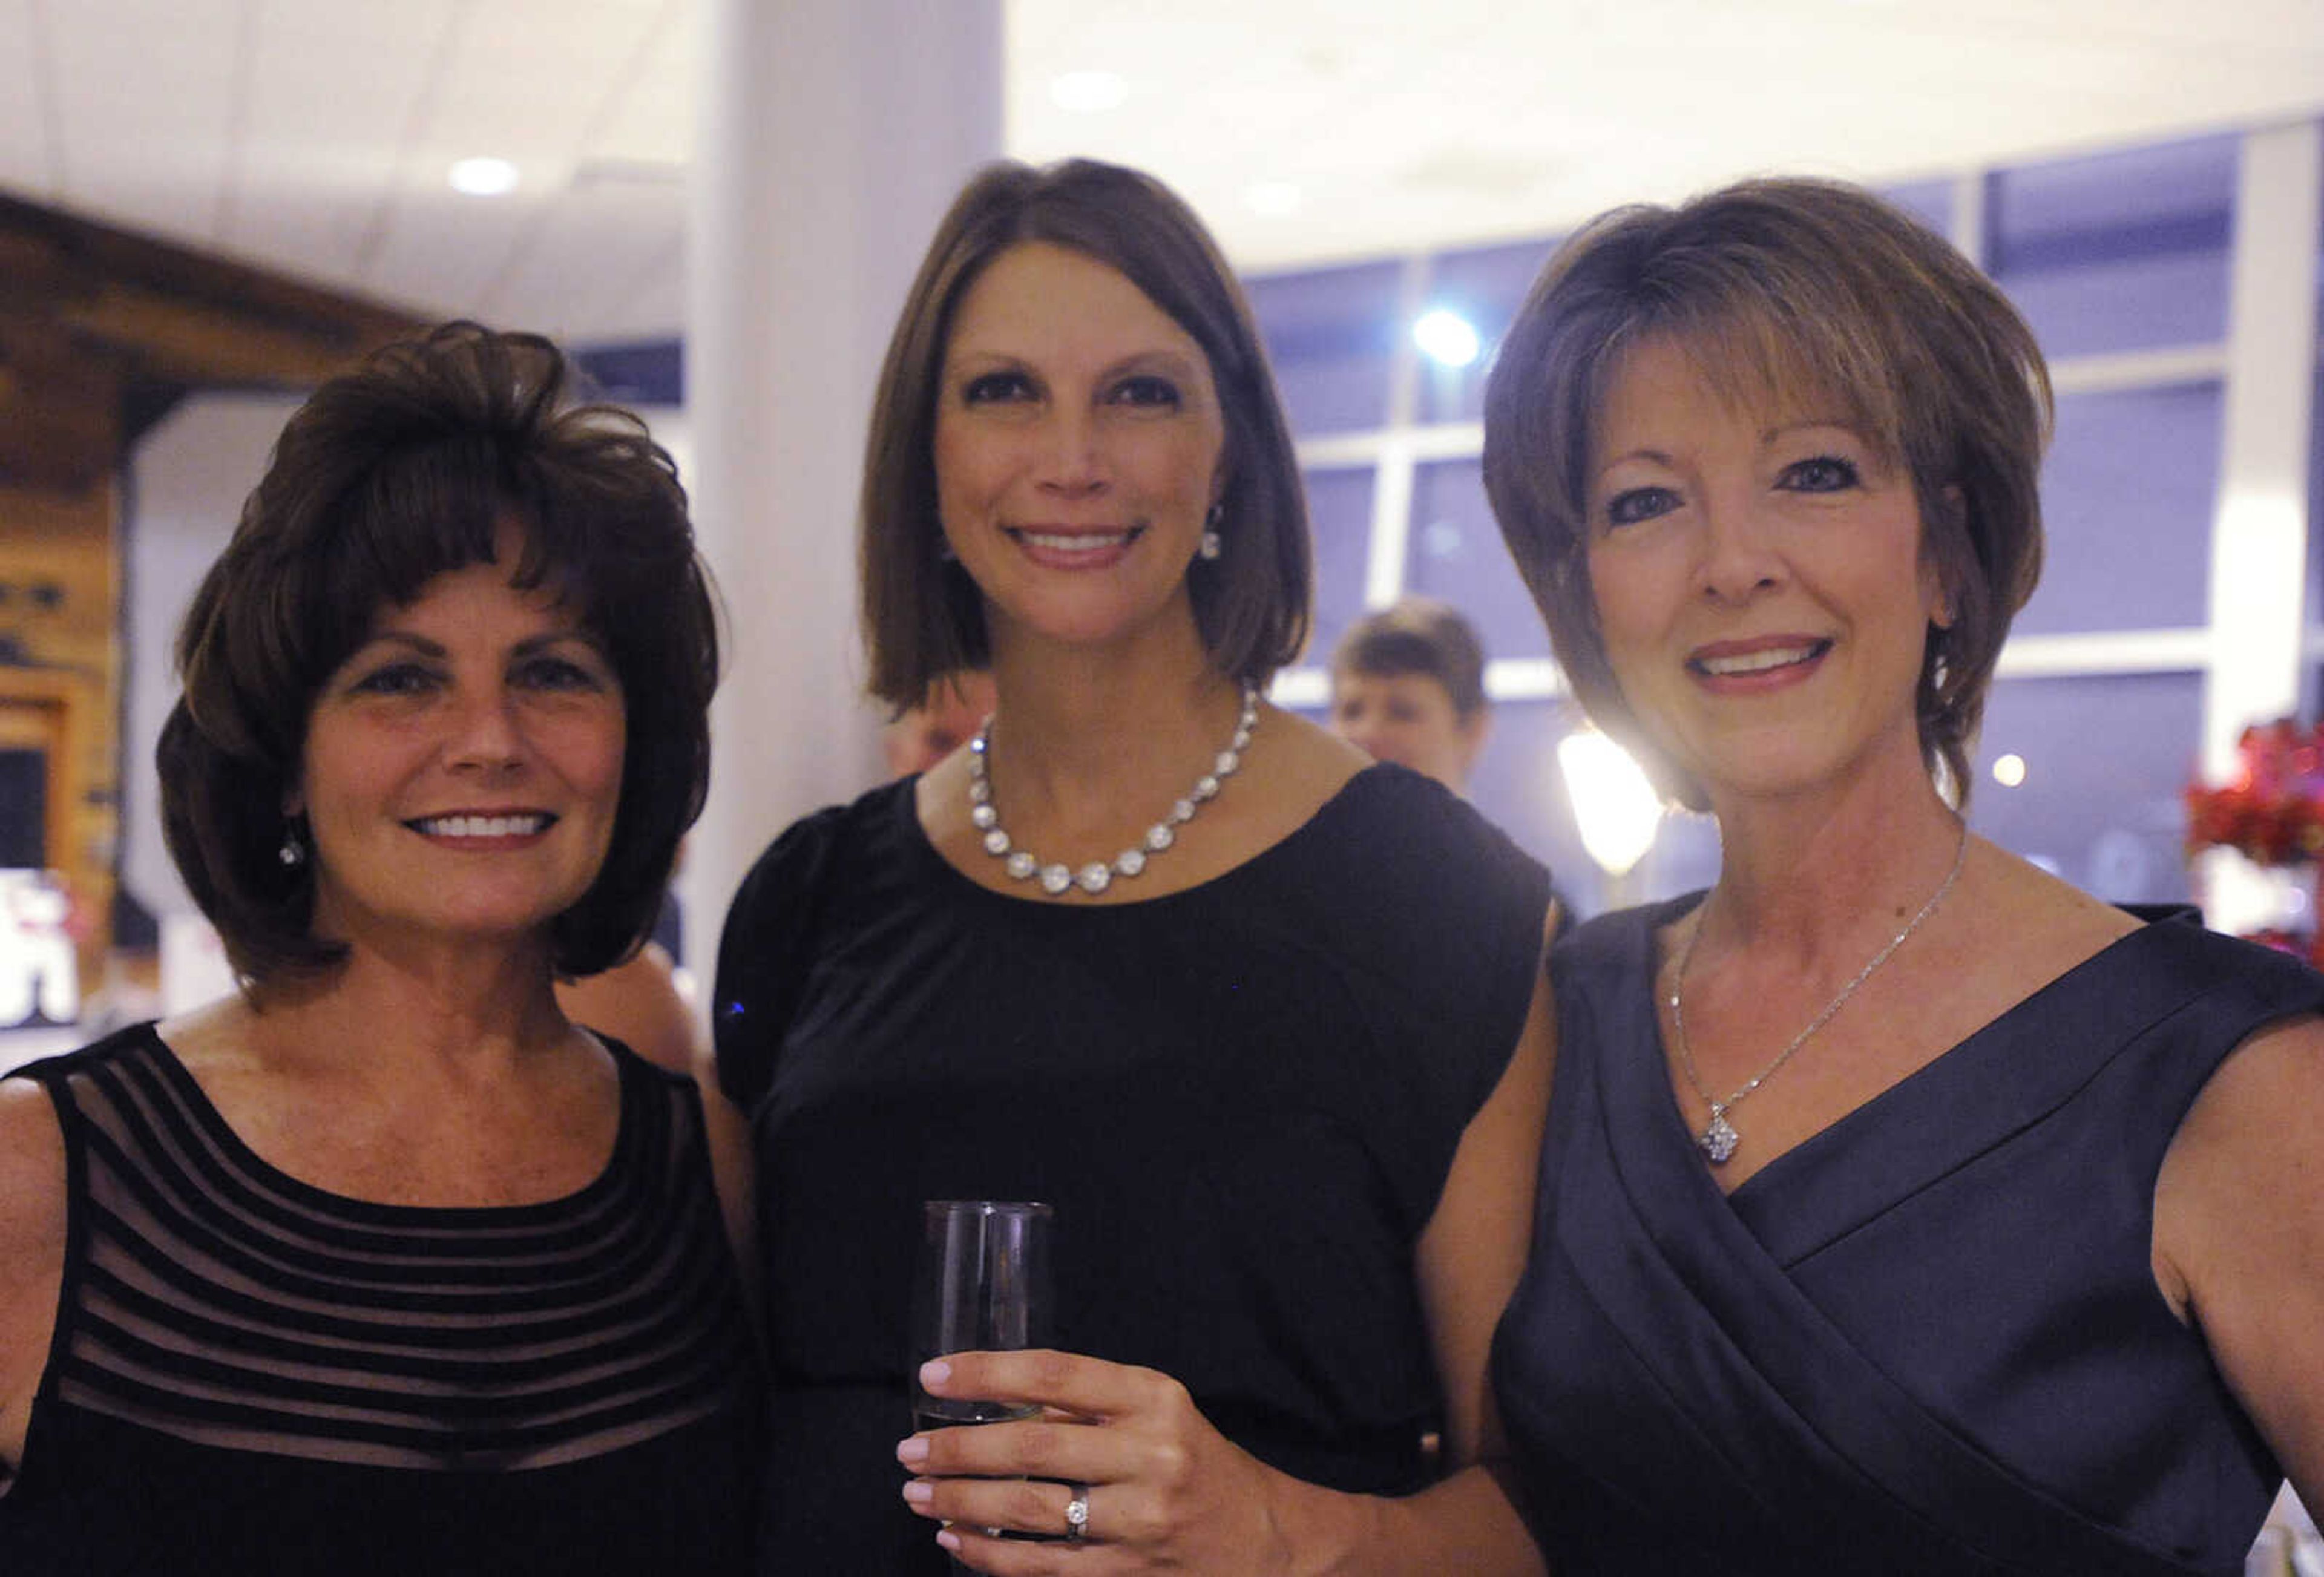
[
  {"x": 2259, "y": 532},
  {"x": 831, "y": 135}
]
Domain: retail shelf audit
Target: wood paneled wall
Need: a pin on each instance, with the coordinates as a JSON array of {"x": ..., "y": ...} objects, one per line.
[{"x": 60, "y": 620}]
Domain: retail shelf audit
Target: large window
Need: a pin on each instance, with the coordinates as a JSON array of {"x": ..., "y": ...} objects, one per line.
[{"x": 2121, "y": 261}]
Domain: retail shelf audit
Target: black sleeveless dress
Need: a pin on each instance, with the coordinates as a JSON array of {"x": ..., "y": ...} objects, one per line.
[
  {"x": 1926, "y": 1340},
  {"x": 1241, "y": 1101},
  {"x": 252, "y": 1375}
]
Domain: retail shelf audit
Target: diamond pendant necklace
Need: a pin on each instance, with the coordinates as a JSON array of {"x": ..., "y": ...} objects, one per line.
[
  {"x": 1718, "y": 1139},
  {"x": 1056, "y": 878}
]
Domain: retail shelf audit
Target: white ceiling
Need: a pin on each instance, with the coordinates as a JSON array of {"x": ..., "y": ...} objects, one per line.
[{"x": 313, "y": 136}]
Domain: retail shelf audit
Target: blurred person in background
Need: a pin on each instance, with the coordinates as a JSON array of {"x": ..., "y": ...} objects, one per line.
[
  {"x": 946, "y": 718},
  {"x": 1408, "y": 686}
]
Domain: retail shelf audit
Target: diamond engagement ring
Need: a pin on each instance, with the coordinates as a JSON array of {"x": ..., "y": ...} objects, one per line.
[{"x": 1077, "y": 1513}]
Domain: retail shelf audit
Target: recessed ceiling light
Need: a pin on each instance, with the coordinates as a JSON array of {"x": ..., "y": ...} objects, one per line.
[
  {"x": 1271, "y": 197},
  {"x": 1447, "y": 338},
  {"x": 483, "y": 177},
  {"x": 1088, "y": 92},
  {"x": 2009, "y": 771}
]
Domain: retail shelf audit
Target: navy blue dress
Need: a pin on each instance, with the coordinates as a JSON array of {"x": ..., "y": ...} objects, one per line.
[{"x": 1927, "y": 1340}]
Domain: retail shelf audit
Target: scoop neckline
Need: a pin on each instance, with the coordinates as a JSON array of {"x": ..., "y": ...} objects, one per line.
[
  {"x": 907, "y": 812},
  {"x": 197, "y": 1102}
]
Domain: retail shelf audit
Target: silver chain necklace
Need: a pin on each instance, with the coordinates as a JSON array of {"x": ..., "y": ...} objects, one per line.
[
  {"x": 1056, "y": 878},
  {"x": 1718, "y": 1139}
]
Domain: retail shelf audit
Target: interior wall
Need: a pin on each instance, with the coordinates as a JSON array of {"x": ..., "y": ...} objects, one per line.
[{"x": 187, "y": 482}]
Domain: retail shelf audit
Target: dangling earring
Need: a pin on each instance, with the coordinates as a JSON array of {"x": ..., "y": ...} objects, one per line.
[
  {"x": 294, "y": 852},
  {"x": 1211, "y": 546}
]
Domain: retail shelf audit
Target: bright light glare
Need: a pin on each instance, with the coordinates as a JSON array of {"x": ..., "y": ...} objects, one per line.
[
  {"x": 483, "y": 177},
  {"x": 1271, "y": 197},
  {"x": 2009, "y": 771},
  {"x": 1447, "y": 338},
  {"x": 1617, "y": 807},
  {"x": 1088, "y": 92}
]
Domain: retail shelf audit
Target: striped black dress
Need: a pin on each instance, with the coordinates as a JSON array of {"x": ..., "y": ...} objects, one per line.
[{"x": 253, "y": 1375}]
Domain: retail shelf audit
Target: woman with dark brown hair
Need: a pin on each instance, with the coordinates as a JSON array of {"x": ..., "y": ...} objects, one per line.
[
  {"x": 381, "y": 1265},
  {"x": 1903, "y": 1209},
  {"x": 1262, "y": 1022}
]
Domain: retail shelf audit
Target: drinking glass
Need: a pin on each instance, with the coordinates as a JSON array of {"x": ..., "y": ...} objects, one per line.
[{"x": 982, "y": 1285}]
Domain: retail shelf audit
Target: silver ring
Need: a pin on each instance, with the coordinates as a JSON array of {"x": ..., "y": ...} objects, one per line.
[{"x": 1077, "y": 1513}]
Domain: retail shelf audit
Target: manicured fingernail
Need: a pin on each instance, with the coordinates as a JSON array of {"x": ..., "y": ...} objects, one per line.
[
  {"x": 935, "y": 1372},
  {"x": 912, "y": 1451},
  {"x": 949, "y": 1539},
  {"x": 919, "y": 1491}
]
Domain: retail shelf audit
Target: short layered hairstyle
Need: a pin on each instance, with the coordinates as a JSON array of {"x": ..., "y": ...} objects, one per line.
[
  {"x": 1784, "y": 291},
  {"x": 923, "y": 617},
  {"x": 386, "y": 477},
  {"x": 1418, "y": 635}
]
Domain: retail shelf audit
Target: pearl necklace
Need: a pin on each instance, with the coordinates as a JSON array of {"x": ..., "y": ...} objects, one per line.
[
  {"x": 1096, "y": 877},
  {"x": 1718, "y": 1139}
]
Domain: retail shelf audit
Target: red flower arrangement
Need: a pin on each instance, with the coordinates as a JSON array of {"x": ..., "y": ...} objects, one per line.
[{"x": 2273, "y": 811}]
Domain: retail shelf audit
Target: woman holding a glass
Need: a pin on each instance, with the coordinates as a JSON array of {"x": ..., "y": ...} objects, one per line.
[{"x": 1261, "y": 1022}]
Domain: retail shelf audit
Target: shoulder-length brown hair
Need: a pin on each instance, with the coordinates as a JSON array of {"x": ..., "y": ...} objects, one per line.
[
  {"x": 385, "y": 478},
  {"x": 922, "y": 615},
  {"x": 1796, "y": 288}
]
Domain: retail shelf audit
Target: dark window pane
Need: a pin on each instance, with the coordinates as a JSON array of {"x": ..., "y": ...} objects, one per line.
[
  {"x": 1929, "y": 202},
  {"x": 1340, "y": 509},
  {"x": 23, "y": 810},
  {"x": 1330, "y": 334},
  {"x": 652, "y": 372},
  {"x": 2107, "y": 758},
  {"x": 1456, "y": 553},
  {"x": 2130, "y": 482},
  {"x": 2121, "y": 251}
]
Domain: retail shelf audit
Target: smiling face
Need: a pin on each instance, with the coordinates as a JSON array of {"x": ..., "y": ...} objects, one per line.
[
  {"x": 463, "y": 767},
  {"x": 1759, "y": 580},
  {"x": 1078, "y": 447},
  {"x": 1409, "y": 719}
]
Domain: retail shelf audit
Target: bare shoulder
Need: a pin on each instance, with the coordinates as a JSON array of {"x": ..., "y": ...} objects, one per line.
[
  {"x": 33, "y": 1222},
  {"x": 32, "y": 1169},
  {"x": 218, "y": 1034},
  {"x": 1300, "y": 761},
  {"x": 2011, "y": 930},
  {"x": 2037, "y": 914},
  {"x": 2244, "y": 1140},
  {"x": 2239, "y": 1230}
]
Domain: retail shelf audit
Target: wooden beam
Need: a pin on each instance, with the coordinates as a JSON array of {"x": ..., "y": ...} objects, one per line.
[
  {"x": 171, "y": 314},
  {"x": 59, "y": 409}
]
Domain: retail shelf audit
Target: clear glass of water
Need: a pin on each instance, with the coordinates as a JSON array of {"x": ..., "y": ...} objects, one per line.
[{"x": 982, "y": 1285}]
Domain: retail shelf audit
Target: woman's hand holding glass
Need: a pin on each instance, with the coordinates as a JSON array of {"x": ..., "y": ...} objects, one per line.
[{"x": 1161, "y": 1488}]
